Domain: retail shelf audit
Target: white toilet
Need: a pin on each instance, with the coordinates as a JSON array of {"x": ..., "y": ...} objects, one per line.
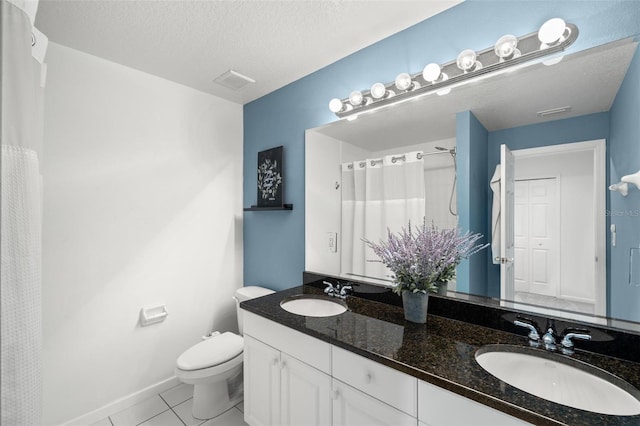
[{"x": 214, "y": 366}]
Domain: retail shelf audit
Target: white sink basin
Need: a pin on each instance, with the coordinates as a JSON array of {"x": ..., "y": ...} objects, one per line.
[
  {"x": 560, "y": 379},
  {"x": 313, "y": 306}
]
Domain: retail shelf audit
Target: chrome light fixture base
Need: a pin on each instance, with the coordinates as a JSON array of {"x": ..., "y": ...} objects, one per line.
[{"x": 529, "y": 50}]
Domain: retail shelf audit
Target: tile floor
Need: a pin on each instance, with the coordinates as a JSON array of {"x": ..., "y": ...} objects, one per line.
[{"x": 171, "y": 408}]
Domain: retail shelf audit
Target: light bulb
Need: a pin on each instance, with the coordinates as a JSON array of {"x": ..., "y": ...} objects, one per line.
[
  {"x": 553, "y": 31},
  {"x": 467, "y": 61},
  {"x": 356, "y": 98},
  {"x": 335, "y": 105},
  {"x": 403, "y": 81},
  {"x": 432, "y": 72},
  {"x": 378, "y": 91},
  {"x": 505, "y": 47}
]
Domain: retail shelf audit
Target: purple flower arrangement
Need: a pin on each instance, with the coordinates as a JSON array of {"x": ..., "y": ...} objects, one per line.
[{"x": 422, "y": 257}]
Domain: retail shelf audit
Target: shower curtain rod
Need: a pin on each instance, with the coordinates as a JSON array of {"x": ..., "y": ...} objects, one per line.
[{"x": 402, "y": 157}]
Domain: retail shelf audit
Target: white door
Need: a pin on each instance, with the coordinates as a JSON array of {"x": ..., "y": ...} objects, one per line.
[
  {"x": 507, "y": 192},
  {"x": 354, "y": 408},
  {"x": 261, "y": 383},
  {"x": 536, "y": 235},
  {"x": 305, "y": 394}
]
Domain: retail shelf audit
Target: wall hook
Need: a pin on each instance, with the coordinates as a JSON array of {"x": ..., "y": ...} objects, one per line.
[{"x": 621, "y": 187}]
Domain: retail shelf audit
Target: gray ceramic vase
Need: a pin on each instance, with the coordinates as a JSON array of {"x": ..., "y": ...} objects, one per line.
[{"x": 415, "y": 306}]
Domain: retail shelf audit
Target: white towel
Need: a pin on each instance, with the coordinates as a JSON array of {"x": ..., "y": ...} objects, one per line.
[{"x": 495, "y": 216}]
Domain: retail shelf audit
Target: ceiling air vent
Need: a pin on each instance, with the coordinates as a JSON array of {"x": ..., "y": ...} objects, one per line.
[
  {"x": 554, "y": 111},
  {"x": 233, "y": 80}
]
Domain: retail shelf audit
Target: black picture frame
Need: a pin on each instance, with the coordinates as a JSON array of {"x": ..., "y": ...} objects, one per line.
[{"x": 270, "y": 178}]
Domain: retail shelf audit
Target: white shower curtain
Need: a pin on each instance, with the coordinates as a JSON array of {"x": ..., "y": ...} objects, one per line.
[
  {"x": 378, "y": 194},
  {"x": 21, "y": 217}
]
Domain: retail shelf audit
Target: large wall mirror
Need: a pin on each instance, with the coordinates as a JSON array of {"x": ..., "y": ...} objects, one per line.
[{"x": 573, "y": 129}]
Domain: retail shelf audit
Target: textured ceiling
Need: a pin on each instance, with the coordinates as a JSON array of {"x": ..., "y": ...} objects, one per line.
[{"x": 192, "y": 42}]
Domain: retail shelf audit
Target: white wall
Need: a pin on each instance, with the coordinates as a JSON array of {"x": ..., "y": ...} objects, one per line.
[
  {"x": 142, "y": 206},
  {"x": 322, "y": 202}
]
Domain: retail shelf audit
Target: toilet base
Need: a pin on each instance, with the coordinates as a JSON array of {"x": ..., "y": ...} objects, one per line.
[
  {"x": 215, "y": 389},
  {"x": 211, "y": 400}
]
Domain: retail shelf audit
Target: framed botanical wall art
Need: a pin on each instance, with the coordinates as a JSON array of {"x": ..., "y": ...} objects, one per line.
[{"x": 270, "y": 178}]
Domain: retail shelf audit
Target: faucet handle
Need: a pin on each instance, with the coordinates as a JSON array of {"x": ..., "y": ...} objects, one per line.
[
  {"x": 329, "y": 289},
  {"x": 533, "y": 331},
  {"x": 345, "y": 291},
  {"x": 568, "y": 343}
]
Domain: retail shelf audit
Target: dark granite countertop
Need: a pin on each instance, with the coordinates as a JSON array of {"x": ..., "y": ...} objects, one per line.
[{"x": 441, "y": 352}]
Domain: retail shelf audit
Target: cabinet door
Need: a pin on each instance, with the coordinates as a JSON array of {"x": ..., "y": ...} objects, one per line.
[
  {"x": 305, "y": 394},
  {"x": 354, "y": 408},
  {"x": 261, "y": 383}
]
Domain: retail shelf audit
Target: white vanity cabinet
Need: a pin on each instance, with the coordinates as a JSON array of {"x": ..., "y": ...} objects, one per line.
[
  {"x": 293, "y": 379},
  {"x": 279, "y": 388},
  {"x": 440, "y": 407}
]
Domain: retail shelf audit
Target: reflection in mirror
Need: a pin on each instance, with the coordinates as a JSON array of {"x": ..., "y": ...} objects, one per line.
[{"x": 583, "y": 98}]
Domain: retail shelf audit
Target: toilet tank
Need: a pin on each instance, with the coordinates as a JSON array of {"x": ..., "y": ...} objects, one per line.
[{"x": 247, "y": 293}]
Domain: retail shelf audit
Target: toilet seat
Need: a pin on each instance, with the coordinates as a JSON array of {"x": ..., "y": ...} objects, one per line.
[
  {"x": 205, "y": 375},
  {"x": 209, "y": 353}
]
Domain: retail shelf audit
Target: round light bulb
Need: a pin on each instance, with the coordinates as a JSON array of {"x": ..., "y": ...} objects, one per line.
[
  {"x": 335, "y": 105},
  {"x": 356, "y": 98},
  {"x": 552, "y": 31},
  {"x": 505, "y": 47},
  {"x": 431, "y": 72},
  {"x": 466, "y": 61},
  {"x": 403, "y": 81},
  {"x": 378, "y": 91}
]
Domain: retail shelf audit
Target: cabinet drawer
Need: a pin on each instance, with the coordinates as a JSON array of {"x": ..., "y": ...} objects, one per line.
[
  {"x": 312, "y": 351},
  {"x": 354, "y": 408},
  {"x": 384, "y": 383},
  {"x": 440, "y": 407}
]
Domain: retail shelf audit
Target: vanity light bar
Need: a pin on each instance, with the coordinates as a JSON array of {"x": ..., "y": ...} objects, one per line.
[{"x": 508, "y": 54}]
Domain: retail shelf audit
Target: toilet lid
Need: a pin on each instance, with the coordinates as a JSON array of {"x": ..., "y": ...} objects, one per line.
[{"x": 213, "y": 351}]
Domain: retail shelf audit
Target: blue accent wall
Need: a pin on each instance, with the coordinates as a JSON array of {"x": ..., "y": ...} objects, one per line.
[
  {"x": 624, "y": 212},
  {"x": 274, "y": 241},
  {"x": 471, "y": 148}
]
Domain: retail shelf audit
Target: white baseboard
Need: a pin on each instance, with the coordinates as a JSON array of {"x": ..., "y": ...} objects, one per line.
[{"x": 123, "y": 403}]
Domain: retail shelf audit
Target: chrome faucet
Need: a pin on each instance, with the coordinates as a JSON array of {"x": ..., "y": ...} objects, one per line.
[
  {"x": 337, "y": 290},
  {"x": 549, "y": 339},
  {"x": 567, "y": 343}
]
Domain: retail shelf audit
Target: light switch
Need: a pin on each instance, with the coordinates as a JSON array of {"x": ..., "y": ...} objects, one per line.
[
  {"x": 332, "y": 241},
  {"x": 613, "y": 234}
]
